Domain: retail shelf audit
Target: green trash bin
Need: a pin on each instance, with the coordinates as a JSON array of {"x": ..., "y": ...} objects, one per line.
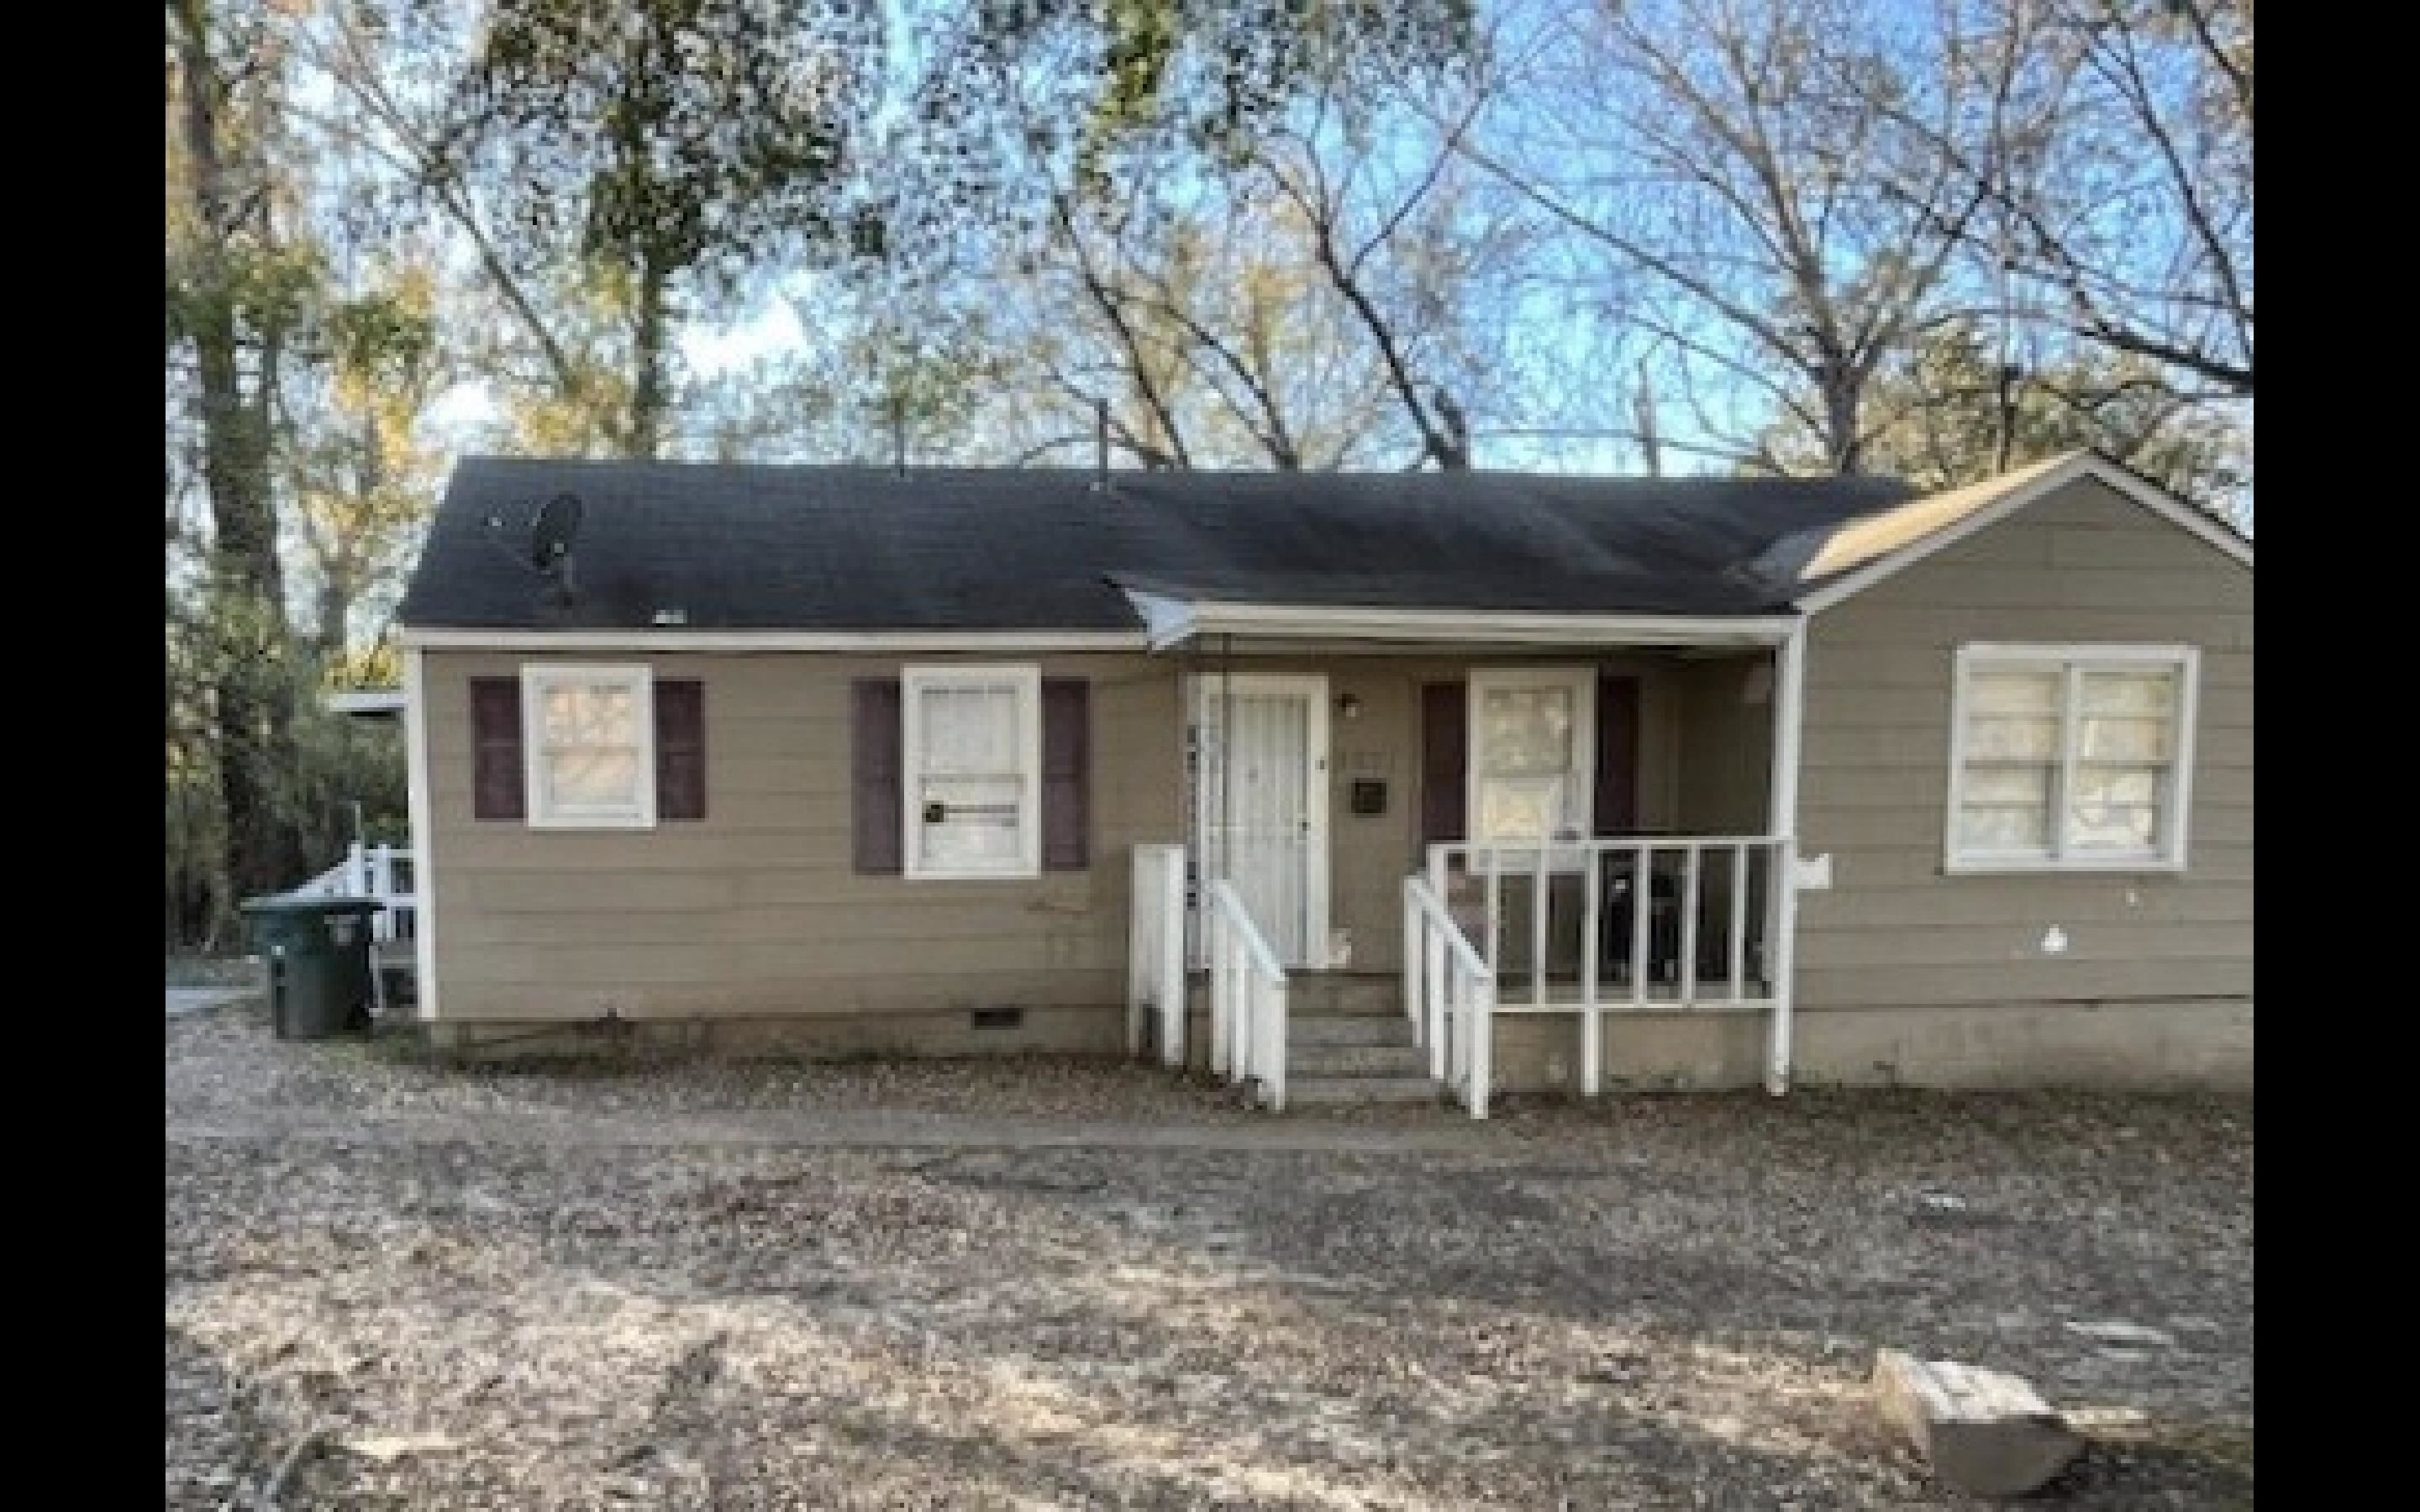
[{"x": 317, "y": 951}]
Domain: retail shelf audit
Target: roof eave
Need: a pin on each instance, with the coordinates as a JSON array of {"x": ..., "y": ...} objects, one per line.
[{"x": 1176, "y": 622}]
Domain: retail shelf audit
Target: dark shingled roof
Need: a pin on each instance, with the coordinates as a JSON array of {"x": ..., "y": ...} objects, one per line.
[{"x": 750, "y": 547}]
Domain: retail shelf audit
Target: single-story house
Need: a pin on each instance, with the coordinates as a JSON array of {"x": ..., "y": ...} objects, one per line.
[{"x": 1342, "y": 784}]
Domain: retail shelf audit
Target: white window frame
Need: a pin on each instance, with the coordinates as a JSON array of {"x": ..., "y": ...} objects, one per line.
[
  {"x": 536, "y": 679},
  {"x": 1024, "y": 679},
  {"x": 2071, "y": 660},
  {"x": 1582, "y": 683}
]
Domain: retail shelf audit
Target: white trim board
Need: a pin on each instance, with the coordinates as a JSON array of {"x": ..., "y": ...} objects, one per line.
[
  {"x": 438, "y": 639},
  {"x": 1987, "y": 503},
  {"x": 421, "y": 817},
  {"x": 367, "y": 701}
]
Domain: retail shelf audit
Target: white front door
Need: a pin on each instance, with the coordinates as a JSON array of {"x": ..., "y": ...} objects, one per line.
[{"x": 1260, "y": 802}]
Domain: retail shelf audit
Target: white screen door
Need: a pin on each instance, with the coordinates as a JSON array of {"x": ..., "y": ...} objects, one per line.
[{"x": 1260, "y": 795}]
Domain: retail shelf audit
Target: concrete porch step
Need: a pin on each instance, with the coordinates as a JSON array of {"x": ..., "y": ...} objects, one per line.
[
  {"x": 1331, "y": 994},
  {"x": 1324, "y": 994},
  {"x": 1348, "y": 1030},
  {"x": 1303, "y": 1091},
  {"x": 1381, "y": 1061}
]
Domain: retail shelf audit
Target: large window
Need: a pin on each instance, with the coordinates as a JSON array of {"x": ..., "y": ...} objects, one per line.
[
  {"x": 1533, "y": 752},
  {"x": 972, "y": 770},
  {"x": 2070, "y": 758},
  {"x": 590, "y": 743}
]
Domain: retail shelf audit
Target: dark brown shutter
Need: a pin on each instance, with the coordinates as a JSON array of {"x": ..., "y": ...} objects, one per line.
[
  {"x": 1617, "y": 755},
  {"x": 1066, "y": 774},
  {"x": 496, "y": 790},
  {"x": 876, "y": 773},
  {"x": 1445, "y": 757},
  {"x": 680, "y": 748}
]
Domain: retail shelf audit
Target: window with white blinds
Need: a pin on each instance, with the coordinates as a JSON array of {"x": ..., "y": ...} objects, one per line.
[
  {"x": 590, "y": 738},
  {"x": 2071, "y": 757},
  {"x": 972, "y": 755},
  {"x": 1532, "y": 760}
]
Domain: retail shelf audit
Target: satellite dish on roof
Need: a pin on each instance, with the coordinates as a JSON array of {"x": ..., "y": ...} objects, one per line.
[
  {"x": 553, "y": 532},
  {"x": 553, "y": 529}
]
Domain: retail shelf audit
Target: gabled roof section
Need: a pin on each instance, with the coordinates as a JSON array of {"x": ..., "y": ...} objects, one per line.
[
  {"x": 692, "y": 549},
  {"x": 1846, "y": 559}
]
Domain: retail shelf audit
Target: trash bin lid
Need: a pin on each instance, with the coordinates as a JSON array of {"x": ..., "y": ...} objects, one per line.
[{"x": 301, "y": 904}]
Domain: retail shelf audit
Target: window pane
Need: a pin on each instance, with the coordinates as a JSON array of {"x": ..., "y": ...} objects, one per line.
[
  {"x": 2151, "y": 693},
  {"x": 978, "y": 830},
  {"x": 971, "y": 729},
  {"x": 2116, "y": 808},
  {"x": 2030, "y": 690},
  {"x": 2004, "y": 827},
  {"x": 2012, "y": 739},
  {"x": 2110, "y": 738},
  {"x": 1524, "y": 807},
  {"x": 592, "y": 777},
  {"x": 1525, "y": 732},
  {"x": 590, "y": 714},
  {"x": 2009, "y": 784}
]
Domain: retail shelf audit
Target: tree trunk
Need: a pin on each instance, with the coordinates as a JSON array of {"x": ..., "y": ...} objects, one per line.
[
  {"x": 1841, "y": 402},
  {"x": 650, "y": 391},
  {"x": 253, "y": 705}
]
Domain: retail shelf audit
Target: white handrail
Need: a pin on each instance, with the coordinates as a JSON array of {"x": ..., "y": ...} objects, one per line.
[
  {"x": 1451, "y": 990},
  {"x": 370, "y": 872},
  {"x": 1156, "y": 951},
  {"x": 1247, "y": 997}
]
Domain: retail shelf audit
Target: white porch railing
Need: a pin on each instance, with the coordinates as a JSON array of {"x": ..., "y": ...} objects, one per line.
[
  {"x": 1450, "y": 993},
  {"x": 1622, "y": 924},
  {"x": 1155, "y": 952},
  {"x": 1247, "y": 997},
  {"x": 1563, "y": 920},
  {"x": 385, "y": 873}
]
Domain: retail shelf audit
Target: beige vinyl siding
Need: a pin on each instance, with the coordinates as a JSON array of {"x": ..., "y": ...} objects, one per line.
[
  {"x": 755, "y": 910},
  {"x": 1725, "y": 770},
  {"x": 1894, "y": 931}
]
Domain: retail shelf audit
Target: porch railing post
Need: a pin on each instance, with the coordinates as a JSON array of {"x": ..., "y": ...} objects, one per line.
[
  {"x": 1694, "y": 859},
  {"x": 1173, "y": 1013},
  {"x": 1140, "y": 960},
  {"x": 1591, "y": 1016}
]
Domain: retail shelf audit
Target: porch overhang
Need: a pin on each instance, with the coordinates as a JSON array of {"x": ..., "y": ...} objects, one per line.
[{"x": 1172, "y": 623}]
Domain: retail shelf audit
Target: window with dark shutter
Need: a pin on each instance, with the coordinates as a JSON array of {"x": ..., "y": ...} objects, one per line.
[
  {"x": 1066, "y": 774},
  {"x": 876, "y": 774},
  {"x": 680, "y": 748},
  {"x": 496, "y": 780},
  {"x": 1617, "y": 755},
  {"x": 1445, "y": 755}
]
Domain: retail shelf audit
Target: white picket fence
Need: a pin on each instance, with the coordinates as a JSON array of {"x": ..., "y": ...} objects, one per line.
[{"x": 385, "y": 873}]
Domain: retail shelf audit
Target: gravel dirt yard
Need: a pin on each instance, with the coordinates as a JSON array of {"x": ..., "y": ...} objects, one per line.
[{"x": 1053, "y": 1283}]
